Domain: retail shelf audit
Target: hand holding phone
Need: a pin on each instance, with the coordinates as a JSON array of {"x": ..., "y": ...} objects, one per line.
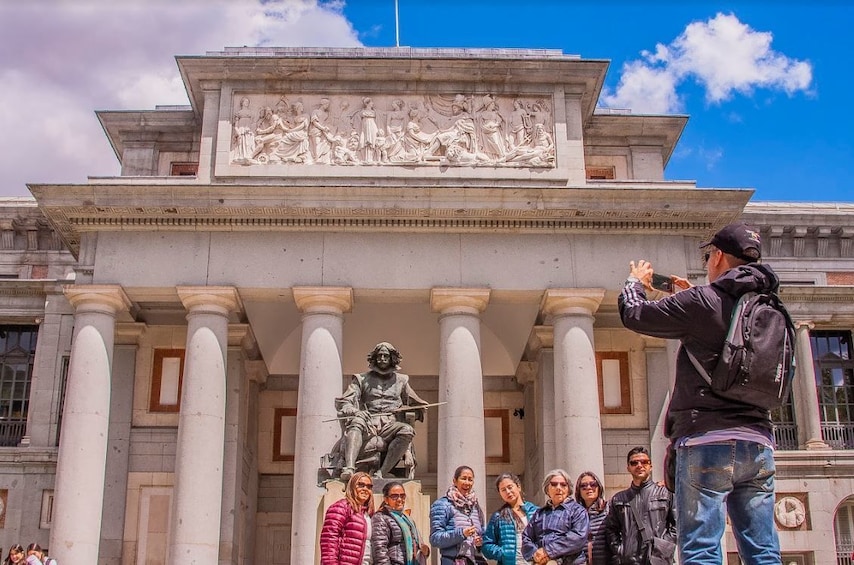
[{"x": 662, "y": 283}]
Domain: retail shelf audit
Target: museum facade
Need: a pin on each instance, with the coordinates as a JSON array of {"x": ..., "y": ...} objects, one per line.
[{"x": 174, "y": 338}]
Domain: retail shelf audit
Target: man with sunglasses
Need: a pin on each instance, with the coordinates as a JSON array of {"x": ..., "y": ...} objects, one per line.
[
  {"x": 641, "y": 527},
  {"x": 724, "y": 450}
]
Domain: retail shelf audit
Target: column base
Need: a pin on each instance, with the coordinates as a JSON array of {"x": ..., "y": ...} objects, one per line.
[{"x": 814, "y": 444}]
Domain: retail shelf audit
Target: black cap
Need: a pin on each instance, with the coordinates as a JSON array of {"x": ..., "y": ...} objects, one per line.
[{"x": 739, "y": 241}]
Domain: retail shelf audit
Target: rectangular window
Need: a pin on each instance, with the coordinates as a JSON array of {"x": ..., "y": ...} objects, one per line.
[
  {"x": 834, "y": 375},
  {"x": 615, "y": 388},
  {"x": 46, "y": 518},
  {"x": 496, "y": 431},
  {"x": 600, "y": 173},
  {"x": 184, "y": 169},
  {"x": 167, "y": 378},
  {"x": 17, "y": 354},
  {"x": 284, "y": 434}
]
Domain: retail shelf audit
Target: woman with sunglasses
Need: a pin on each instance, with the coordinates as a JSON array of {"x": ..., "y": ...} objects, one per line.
[
  {"x": 395, "y": 539},
  {"x": 345, "y": 538},
  {"x": 589, "y": 493},
  {"x": 502, "y": 538},
  {"x": 557, "y": 531},
  {"x": 456, "y": 522}
]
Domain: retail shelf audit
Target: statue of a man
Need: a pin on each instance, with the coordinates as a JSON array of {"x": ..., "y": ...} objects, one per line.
[{"x": 372, "y": 406}]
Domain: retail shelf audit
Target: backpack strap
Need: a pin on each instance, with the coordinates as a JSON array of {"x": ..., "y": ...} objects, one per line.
[{"x": 733, "y": 326}]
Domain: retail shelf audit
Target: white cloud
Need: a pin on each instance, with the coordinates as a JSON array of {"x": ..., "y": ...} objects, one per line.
[
  {"x": 60, "y": 60},
  {"x": 722, "y": 54}
]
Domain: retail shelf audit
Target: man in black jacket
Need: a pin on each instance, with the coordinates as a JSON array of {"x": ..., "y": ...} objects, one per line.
[
  {"x": 640, "y": 528},
  {"x": 724, "y": 449}
]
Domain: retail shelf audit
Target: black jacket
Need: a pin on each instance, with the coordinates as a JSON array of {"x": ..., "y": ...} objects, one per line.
[
  {"x": 699, "y": 317},
  {"x": 654, "y": 505}
]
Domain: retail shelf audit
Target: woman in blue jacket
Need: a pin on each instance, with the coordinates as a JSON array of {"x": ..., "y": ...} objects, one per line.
[
  {"x": 456, "y": 521},
  {"x": 502, "y": 538}
]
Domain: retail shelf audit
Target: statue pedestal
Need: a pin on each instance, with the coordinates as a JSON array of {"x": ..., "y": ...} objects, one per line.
[{"x": 417, "y": 505}]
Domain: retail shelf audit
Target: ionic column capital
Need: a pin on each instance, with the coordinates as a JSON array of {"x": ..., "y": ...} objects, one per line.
[
  {"x": 801, "y": 324},
  {"x": 459, "y": 300},
  {"x": 104, "y": 298},
  {"x": 568, "y": 301},
  {"x": 217, "y": 299},
  {"x": 323, "y": 299}
]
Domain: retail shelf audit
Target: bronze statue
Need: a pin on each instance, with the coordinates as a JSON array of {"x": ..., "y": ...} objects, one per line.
[{"x": 377, "y": 412}]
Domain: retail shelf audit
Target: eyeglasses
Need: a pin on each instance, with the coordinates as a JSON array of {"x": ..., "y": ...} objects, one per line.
[
  {"x": 368, "y": 486},
  {"x": 636, "y": 462},
  {"x": 588, "y": 485},
  {"x": 397, "y": 496},
  {"x": 556, "y": 484}
]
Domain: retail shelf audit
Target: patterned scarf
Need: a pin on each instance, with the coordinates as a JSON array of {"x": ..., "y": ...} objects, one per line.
[{"x": 463, "y": 502}]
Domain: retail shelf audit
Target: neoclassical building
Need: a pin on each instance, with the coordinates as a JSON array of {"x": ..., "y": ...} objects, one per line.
[{"x": 173, "y": 338}]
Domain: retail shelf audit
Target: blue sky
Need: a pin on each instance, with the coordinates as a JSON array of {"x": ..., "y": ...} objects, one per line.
[{"x": 766, "y": 84}]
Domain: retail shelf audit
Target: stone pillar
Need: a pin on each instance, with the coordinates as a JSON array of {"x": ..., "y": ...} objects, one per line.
[
  {"x": 805, "y": 393},
  {"x": 658, "y": 375},
  {"x": 197, "y": 494},
  {"x": 647, "y": 161},
  {"x": 210, "y": 121},
  {"x": 80, "y": 471},
  {"x": 541, "y": 347},
  {"x": 118, "y": 452},
  {"x": 577, "y": 418},
  {"x": 320, "y": 379},
  {"x": 461, "y": 428}
]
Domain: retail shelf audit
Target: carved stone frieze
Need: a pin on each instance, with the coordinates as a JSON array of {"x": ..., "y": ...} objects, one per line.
[{"x": 432, "y": 129}]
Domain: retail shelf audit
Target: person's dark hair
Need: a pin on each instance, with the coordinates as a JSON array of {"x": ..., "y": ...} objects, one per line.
[
  {"x": 505, "y": 512},
  {"x": 599, "y": 504},
  {"x": 394, "y": 354},
  {"x": 34, "y": 547},
  {"x": 635, "y": 450},
  {"x": 16, "y": 549},
  {"x": 386, "y": 490},
  {"x": 459, "y": 471}
]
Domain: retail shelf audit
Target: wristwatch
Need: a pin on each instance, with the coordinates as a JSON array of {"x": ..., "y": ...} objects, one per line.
[{"x": 631, "y": 279}]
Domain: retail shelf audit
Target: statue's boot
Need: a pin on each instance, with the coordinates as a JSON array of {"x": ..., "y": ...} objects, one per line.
[
  {"x": 395, "y": 451},
  {"x": 352, "y": 444}
]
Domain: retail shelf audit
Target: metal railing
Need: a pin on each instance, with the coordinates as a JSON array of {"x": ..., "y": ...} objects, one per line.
[
  {"x": 786, "y": 436},
  {"x": 843, "y": 552},
  {"x": 11, "y": 431},
  {"x": 838, "y": 436}
]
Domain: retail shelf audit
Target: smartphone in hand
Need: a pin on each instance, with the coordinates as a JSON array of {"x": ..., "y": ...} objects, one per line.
[{"x": 662, "y": 283}]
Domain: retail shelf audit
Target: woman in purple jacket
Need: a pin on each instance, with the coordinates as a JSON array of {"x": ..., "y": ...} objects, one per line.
[{"x": 346, "y": 533}]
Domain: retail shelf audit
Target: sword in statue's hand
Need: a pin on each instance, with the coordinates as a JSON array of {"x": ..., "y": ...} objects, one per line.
[{"x": 406, "y": 408}]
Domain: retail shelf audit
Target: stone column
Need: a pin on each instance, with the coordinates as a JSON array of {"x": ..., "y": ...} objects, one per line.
[
  {"x": 805, "y": 393},
  {"x": 210, "y": 122},
  {"x": 577, "y": 419},
  {"x": 541, "y": 347},
  {"x": 658, "y": 374},
  {"x": 461, "y": 428},
  {"x": 197, "y": 494},
  {"x": 320, "y": 379},
  {"x": 80, "y": 471}
]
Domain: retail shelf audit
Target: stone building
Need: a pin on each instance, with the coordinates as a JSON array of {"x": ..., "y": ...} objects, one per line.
[{"x": 172, "y": 338}]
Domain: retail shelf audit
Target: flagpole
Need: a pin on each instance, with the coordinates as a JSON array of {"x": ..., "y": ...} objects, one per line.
[{"x": 396, "y": 25}]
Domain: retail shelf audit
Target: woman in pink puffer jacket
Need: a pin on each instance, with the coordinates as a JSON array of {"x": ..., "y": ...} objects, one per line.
[{"x": 345, "y": 536}]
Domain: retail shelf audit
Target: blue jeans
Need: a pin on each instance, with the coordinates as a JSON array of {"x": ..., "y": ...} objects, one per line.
[{"x": 734, "y": 477}]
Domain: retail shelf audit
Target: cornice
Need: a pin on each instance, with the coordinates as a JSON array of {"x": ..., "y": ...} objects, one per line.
[{"x": 76, "y": 209}]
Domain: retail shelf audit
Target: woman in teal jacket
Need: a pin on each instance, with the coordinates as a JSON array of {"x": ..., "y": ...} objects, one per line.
[{"x": 502, "y": 536}]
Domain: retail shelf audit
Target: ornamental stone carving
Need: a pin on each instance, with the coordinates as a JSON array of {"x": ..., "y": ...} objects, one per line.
[
  {"x": 789, "y": 512},
  {"x": 435, "y": 129}
]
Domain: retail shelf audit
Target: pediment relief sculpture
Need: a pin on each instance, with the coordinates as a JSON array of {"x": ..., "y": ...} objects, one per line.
[{"x": 435, "y": 129}]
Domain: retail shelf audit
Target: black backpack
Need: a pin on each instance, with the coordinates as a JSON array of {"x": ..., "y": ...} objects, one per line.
[{"x": 756, "y": 365}]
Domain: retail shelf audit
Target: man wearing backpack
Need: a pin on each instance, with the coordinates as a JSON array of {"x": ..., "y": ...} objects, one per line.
[{"x": 724, "y": 458}]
